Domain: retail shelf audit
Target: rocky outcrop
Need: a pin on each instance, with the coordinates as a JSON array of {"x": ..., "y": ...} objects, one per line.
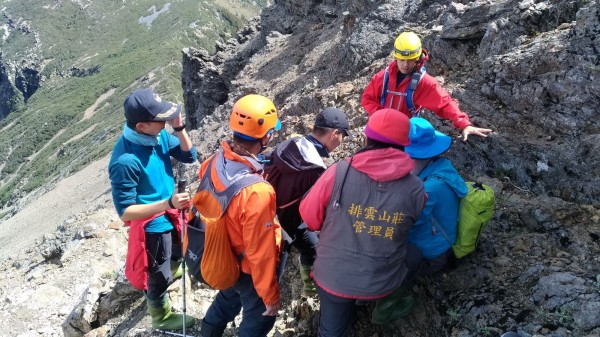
[
  {"x": 27, "y": 79},
  {"x": 208, "y": 77},
  {"x": 527, "y": 69},
  {"x": 8, "y": 93},
  {"x": 20, "y": 75},
  {"x": 83, "y": 72}
]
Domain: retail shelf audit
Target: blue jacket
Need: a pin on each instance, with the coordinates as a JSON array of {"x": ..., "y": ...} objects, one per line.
[
  {"x": 444, "y": 188},
  {"x": 143, "y": 174}
]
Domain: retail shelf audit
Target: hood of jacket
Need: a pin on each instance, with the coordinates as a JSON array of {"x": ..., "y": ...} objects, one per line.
[
  {"x": 231, "y": 167},
  {"x": 445, "y": 172},
  {"x": 383, "y": 164},
  {"x": 297, "y": 154}
]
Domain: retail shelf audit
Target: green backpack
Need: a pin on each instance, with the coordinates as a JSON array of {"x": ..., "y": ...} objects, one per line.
[{"x": 475, "y": 211}]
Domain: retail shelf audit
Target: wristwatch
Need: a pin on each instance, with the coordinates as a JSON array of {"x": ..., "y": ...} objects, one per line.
[{"x": 179, "y": 128}]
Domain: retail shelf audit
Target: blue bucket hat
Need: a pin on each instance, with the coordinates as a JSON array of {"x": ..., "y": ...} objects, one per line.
[{"x": 425, "y": 141}]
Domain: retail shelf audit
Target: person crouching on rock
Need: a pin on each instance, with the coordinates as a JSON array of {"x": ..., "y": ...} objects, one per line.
[
  {"x": 435, "y": 230},
  {"x": 295, "y": 166},
  {"x": 364, "y": 207}
]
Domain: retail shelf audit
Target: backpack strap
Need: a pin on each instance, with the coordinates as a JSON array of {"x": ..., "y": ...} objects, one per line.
[
  {"x": 289, "y": 203},
  {"x": 412, "y": 86},
  {"x": 384, "y": 89},
  {"x": 225, "y": 196},
  {"x": 414, "y": 81},
  {"x": 434, "y": 222},
  {"x": 342, "y": 165}
]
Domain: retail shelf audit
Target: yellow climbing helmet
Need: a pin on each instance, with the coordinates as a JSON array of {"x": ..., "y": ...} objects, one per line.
[
  {"x": 253, "y": 116},
  {"x": 407, "y": 46}
]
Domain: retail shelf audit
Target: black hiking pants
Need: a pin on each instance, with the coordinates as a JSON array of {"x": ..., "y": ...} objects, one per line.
[{"x": 161, "y": 249}]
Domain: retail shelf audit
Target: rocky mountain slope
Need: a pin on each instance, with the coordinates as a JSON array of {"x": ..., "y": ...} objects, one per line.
[{"x": 527, "y": 69}]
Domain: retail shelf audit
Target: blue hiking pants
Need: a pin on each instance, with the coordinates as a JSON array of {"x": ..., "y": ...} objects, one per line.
[{"x": 242, "y": 296}]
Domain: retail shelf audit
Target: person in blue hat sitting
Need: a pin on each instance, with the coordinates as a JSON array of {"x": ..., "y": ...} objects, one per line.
[{"x": 434, "y": 232}]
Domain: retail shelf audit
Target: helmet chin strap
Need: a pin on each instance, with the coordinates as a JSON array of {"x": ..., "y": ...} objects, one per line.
[
  {"x": 263, "y": 147},
  {"x": 238, "y": 148}
]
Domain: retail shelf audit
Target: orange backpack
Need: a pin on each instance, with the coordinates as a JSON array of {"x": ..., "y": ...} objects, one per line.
[{"x": 208, "y": 253}]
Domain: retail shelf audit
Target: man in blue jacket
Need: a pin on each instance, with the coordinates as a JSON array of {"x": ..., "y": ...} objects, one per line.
[
  {"x": 143, "y": 191},
  {"x": 435, "y": 230}
]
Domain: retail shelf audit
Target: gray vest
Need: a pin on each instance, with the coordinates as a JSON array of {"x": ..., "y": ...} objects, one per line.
[{"x": 362, "y": 244}]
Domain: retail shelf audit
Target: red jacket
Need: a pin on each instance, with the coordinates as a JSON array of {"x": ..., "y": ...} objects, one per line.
[
  {"x": 429, "y": 94},
  {"x": 136, "y": 263}
]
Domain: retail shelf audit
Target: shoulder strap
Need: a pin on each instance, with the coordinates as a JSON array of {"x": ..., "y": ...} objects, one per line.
[
  {"x": 231, "y": 190},
  {"x": 289, "y": 203},
  {"x": 414, "y": 81},
  {"x": 342, "y": 165},
  {"x": 384, "y": 89},
  {"x": 435, "y": 223}
]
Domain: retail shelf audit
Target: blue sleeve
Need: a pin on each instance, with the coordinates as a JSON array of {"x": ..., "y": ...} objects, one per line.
[
  {"x": 176, "y": 152},
  {"x": 124, "y": 177}
]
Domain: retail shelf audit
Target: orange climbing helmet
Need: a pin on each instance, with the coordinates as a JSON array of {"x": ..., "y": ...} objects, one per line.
[{"x": 254, "y": 116}]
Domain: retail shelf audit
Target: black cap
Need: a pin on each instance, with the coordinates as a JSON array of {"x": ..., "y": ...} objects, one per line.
[
  {"x": 333, "y": 118},
  {"x": 144, "y": 105}
]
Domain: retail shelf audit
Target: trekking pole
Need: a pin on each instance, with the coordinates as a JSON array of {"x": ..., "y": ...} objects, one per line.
[{"x": 181, "y": 184}]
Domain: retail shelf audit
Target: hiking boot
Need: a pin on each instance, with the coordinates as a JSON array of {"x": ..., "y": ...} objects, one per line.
[
  {"x": 394, "y": 306},
  {"x": 401, "y": 308},
  {"x": 207, "y": 330},
  {"x": 309, "y": 288},
  {"x": 163, "y": 318}
]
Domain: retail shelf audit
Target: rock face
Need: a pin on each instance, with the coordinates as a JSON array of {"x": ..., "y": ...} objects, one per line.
[
  {"x": 9, "y": 95},
  {"x": 7, "y": 91},
  {"x": 208, "y": 78},
  {"x": 19, "y": 74},
  {"x": 527, "y": 69}
]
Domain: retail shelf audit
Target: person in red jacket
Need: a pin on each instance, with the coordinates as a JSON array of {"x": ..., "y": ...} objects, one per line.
[{"x": 409, "y": 59}]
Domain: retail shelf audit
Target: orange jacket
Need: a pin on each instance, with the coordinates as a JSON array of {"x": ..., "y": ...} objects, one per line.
[{"x": 251, "y": 224}]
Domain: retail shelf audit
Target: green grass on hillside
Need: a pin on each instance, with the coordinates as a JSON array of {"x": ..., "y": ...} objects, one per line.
[{"x": 34, "y": 149}]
